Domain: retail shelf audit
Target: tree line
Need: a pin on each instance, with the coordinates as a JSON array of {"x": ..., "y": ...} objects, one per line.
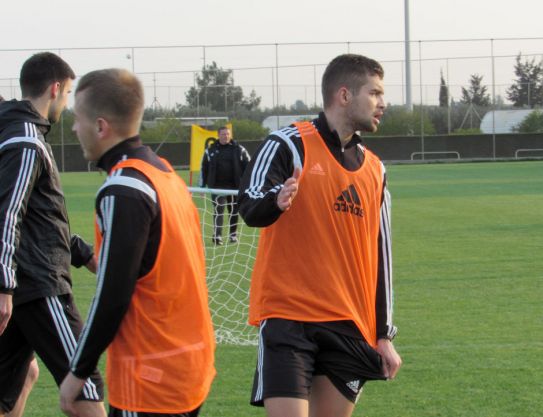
[{"x": 215, "y": 94}]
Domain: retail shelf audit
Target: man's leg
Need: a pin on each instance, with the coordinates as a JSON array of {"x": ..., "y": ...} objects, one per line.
[
  {"x": 31, "y": 378},
  {"x": 218, "y": 217},
  {"x": 234, "y": 210},
  {"x": 16, "y": 355},
  {"x": 284, "y": 369},
  {"x": 326, "y": 401},
  {"x": 283, "y": 407},
  {"x": 52, "y": 326}
]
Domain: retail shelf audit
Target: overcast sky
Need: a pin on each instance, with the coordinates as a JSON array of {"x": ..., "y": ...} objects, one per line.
[{"x": 58, "y": 24}]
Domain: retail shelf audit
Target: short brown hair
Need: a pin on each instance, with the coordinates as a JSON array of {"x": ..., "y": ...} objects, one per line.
[
  {"x": 40, "y": 71},
  {"x": 350, "y": 71},
  {"x": 114, "y": 94}
]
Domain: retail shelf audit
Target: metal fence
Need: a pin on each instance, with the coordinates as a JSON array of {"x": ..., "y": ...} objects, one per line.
[
  {"x": 288, "y": 75},
  {"x": 286, "y": 72}
]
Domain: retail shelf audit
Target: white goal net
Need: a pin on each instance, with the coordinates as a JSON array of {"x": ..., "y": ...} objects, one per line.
[{"x": 228, "y": 267}]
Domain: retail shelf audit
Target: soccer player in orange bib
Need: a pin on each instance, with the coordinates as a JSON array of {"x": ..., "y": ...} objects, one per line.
[
  {"x": 150, "y": 309},
  {"x": 321, "y": 288}
]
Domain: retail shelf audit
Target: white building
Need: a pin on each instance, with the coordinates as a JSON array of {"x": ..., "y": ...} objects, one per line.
[
  {"x": 504, "y": 120},
  {"x": 277, "y": 122}
]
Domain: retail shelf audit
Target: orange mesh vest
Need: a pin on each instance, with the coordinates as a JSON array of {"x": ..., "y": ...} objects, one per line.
[
  {"x": 318, "y": 261},
  {"x": 162, "y": 358}
]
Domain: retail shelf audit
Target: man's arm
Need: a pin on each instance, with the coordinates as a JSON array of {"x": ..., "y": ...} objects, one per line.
[
  {"x": 125, "y": 216},
  {"x": 384, "y": 301},
  {"x": 19, "y": 168},
  {"x": 245, "y": 158},
  {"x": 204, "y": 168},
  {"x": 263, "y": 180},
  {"x": 82, "y": 253}
]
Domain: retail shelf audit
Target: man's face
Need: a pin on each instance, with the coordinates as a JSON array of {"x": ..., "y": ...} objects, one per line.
[
  {"x": 224, "y": 136},
  {"x": 85, "y": 129},
  {"x": 59, "y": 103},
  {"x": 367, "y": 107}
]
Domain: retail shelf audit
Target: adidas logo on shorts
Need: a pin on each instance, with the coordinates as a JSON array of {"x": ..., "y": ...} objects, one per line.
[
  {"x": 349, "y": 202},
  {"x": 354, "y": 385}
]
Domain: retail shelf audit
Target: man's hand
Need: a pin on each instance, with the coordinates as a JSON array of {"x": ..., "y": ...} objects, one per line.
[
  {"x": 92, "y": 265},
  {"x": 289, "y": 191},
  {"x": 391, "y": 359},
  {"x": 69, "y": 390},
  {"x": 6, "y": 307}
]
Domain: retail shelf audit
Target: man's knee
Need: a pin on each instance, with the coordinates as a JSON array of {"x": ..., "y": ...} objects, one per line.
[
  {"x": 90, "y": 409},
  {"x": 33, "y": 373}
]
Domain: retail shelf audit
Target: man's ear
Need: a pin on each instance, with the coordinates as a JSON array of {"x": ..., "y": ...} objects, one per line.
[
  {"x": 343, "y": 95},
  {"x": 55, "y": 90},
  {"x": 102, "y": 127}
]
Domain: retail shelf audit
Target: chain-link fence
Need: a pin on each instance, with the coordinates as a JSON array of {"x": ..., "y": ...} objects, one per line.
[{"x": 280, "y": 79}]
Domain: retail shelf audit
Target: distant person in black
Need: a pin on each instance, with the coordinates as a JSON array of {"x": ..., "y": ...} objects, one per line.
[{"x": 223, "y": 165}]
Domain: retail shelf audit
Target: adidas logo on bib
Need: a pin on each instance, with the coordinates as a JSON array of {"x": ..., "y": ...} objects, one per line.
[
  {"x": 317, "y": 169},
  {"x": 349, "y": 202}
]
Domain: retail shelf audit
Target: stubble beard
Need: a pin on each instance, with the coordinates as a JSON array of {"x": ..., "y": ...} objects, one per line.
[{"x": 365, "y": 126}]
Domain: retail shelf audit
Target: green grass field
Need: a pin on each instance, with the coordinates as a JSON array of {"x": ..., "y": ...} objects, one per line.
[{"x": 468, "y": 259}]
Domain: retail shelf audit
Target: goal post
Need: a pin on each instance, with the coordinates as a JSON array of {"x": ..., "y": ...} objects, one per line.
[{"x": 228, "y": 271}]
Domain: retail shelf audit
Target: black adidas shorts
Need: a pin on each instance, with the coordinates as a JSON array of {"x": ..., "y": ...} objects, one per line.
[
  {"x": 116, "y": 412},
  {"x": 291, "y": 353},
  {"x": 49, "y": 327}
]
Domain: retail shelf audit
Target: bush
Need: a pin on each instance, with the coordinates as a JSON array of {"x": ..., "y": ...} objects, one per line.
[
  {"x": 248, "y": 130},
  {"x": 468, "y": 131},
  {"x": 167, "y": 130},
  {"x": 533, "y": 123},
  {"x": 398, "y": 121}
]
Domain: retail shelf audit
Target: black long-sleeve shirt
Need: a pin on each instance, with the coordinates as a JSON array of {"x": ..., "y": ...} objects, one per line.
[
  {"x": 35, "y": 243},
  {"x": 223, "y": 165},
  {"x": 274, "y": 162},
  {"x": 129, "y": 221}
]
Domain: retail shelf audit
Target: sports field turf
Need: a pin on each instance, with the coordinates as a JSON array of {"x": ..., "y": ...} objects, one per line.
[{"x": 468, "y": 264}]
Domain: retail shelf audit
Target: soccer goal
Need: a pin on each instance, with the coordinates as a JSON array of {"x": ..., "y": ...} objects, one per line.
[{"x": 228, "y": 271}]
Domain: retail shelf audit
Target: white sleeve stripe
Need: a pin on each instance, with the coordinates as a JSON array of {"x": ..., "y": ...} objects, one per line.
[
  {"x": 387, "y": 257},
  {"x": 68, "y": 341},
  {"x": 10, "y": 227},
  {"x": 265, "y": 165},
  {"x": 129, "y": 182},
  {"x": 107, "y": 206},
  {"x": 260, "y": 169},
  {"x": 295, "y": 155},
  {"x": 29, "y": 139}
]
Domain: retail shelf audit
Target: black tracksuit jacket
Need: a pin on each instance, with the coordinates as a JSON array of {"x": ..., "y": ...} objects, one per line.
[{"x": 35, "y": 241}]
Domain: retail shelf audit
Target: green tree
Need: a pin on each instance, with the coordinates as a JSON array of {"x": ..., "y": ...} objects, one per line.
[
  {"x": 398, "y": 121},
  {"x": 476, "y": 94},
  {"x": 216, "y": 90},
  {"x": 167, "y": 129},
  {"x": 244, "y": 129},
  {"x": 443, "y": 93},
  {"x": 62, "y": 132},
  {"x": 533, "y": 123},
  {"x": 299, "y": 106},
  {"x": 527, "y": 89}
]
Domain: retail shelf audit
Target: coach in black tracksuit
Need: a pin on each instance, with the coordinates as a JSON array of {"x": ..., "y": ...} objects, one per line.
[
  {"x": 37, "y": 312},
  {"x": 223, "y": 165}
]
